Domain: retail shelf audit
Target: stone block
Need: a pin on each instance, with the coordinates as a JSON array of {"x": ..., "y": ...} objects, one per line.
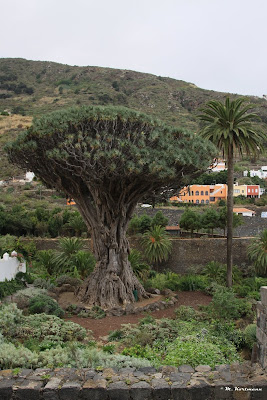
[
  {"x": 261, "y": 336},
  {"x": 50, "y": 391},
  {"x": 141, "y": 391},
  {"x": 30, "y": 390},
  {"x": 6, "y": 390},
  {"x": 70, "y": 390},
  {"x": 119, "y": 390},
  {"x": 161, "y": 389},
  {"x": 203, "y": 368},
  {"x": 263, "y": 291},
  {"x": 181, "y": 378},
  {"x": 181, "y": 392},
  {"x": 200, "y": 389},
  {"x": 186, "y": 368},
  {"x": 147, "y": 370}
]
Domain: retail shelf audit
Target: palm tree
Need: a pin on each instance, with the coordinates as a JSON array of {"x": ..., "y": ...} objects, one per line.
[
  {"x": 229, "y": 128},
  {"x": 157, "y": 244},
  {"x": 257, "y": 252}
]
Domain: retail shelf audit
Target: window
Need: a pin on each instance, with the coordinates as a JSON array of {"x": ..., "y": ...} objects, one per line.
[
  {"x": 202, "y": 201},
  {"x": 197, "y": 193},
  {"x": 248, "y": 190},
  {"x": 212, "y": 199},
  {"x": 197, "y": 201},
  {"x": 202, "y": 193},
  {"x": 207, "y": 201},
  {"x": 242, "y": 191},
  {"x": 206, "y": 193},
  {"x": 192, "y": 193},
  {"x": 252, "y": 190}
]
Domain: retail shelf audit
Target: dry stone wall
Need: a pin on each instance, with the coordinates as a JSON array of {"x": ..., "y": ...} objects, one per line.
[
  {"x": 262, "y": 327},
  {"x": 236, "y": 381}
]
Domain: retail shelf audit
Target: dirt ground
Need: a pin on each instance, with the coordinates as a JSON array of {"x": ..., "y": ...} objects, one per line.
[{"x": 102, "y": 327}]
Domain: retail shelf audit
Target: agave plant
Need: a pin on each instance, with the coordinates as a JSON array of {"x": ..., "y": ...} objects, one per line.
[
  {"x": 257, "y": 252},
  {"x": 157, "y": 244},
  {"x": 140, "y": 268}
]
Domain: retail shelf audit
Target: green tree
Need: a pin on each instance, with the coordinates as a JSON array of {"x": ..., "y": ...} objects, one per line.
[
  {"x": 229, "y": 127},
  {"x": 257, "y": 252},
  {"x": 159, "y": 219},
  {"x": 222, "y": 221},
  {"x": 190, "y": 221},
  {"x": 157, "y": 244},
  {"x": 209, "y": 219},
  {"x": 107, "y": 159}
]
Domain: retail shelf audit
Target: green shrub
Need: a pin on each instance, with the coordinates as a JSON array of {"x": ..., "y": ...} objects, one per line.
[
  {"x": 115, "y": 335},
  {"x": 185, "y": 313},
  {"x": 250, "y": 335},
  {"x": 43, "y": 284},
  {"x": 44, "y": 304},
  {"x": 9, "y": 287},
  {"x": 10, "y": 317},
  {"x": 44, "y": 326},
  {"x": 194, "y": 351},
  {"x": 225, "y": 305},
  {"x": 192, "y": 282}
]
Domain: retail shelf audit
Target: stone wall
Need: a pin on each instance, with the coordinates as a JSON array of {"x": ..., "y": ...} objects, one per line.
[
  {"x": 262, "y": 327},
  {"x": 236, "y": 381},
  {"x": 185, "y": 253}
]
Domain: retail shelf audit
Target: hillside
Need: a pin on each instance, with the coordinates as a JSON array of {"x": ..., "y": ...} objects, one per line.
[{"x": 32, "y": 88}]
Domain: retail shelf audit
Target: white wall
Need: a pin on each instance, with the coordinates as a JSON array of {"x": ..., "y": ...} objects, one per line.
[{"x": 9, "y": 267}]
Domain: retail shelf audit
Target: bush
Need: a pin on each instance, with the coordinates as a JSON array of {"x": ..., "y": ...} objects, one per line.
[
  {"x": 9, "y": 287},
  {"x": 250, "y": 335},
  {"x": 185, "y": 313},
  {"x": 225, "y": 305},
  {"x": 44, "y": 304}
]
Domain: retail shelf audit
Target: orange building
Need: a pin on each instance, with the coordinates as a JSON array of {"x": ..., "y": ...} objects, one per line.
[{"x": 203, "y": 194}]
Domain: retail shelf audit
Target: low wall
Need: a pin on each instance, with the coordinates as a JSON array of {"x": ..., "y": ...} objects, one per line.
[
  {"x": 10, "y": 267},
  {"x": 188, "y": 253},
  {"x": 262, "y": 327},
  {"x": 185, "y": 253},
  {"x": 168, "y": 383}
]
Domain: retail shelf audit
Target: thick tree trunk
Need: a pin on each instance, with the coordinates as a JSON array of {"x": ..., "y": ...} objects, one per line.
[
  {"x": 112, "y": 282},
  {"x": 230, "y": 206}
]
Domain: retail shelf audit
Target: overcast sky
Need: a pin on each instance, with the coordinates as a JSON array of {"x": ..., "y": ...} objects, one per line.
[{"x": 215, "y": 44}]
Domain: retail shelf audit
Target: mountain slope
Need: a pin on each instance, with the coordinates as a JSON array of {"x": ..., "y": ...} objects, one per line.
[{"x": 35, "y": 87}]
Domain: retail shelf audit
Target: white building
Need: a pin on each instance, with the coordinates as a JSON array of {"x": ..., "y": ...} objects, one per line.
[{"x": 261, "y": 173}]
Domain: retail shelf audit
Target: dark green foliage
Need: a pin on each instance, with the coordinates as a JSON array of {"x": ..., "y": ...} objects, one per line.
[
  {"x": 135, "y": 150},
  {"x": 210, "y": 219},
  {"x": 140, "y": 268},
  {"x": 44, "y": 304},
  {"x": 115, "y": 335},
  {"x": 257, "y": 252},
  {"x": 210, "y": 178},
  {"x": 225, "y": 305},
  {"x": 156, "y": 244},
  {"x": 159, "y": 219},
  {"x": 9, "y": 287},
  {"x": 190, "y": 221},
  {"x": 250, "y": 335}
]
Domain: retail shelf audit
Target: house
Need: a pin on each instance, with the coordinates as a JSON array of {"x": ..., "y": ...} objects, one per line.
[
  {"x": 245, "y": 212},
  {"x": 173, "y": 230},
  {"x": 240, "y": 190},
  {"x": 203, "y": 194},
  {"x": 261, "y": 173},
  {"x": 253, "y": 191},
  {"x": 218, "y": 166}
]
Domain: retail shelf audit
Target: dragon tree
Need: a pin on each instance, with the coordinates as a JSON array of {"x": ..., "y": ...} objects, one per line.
[{"x": 107, "y": 159}]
